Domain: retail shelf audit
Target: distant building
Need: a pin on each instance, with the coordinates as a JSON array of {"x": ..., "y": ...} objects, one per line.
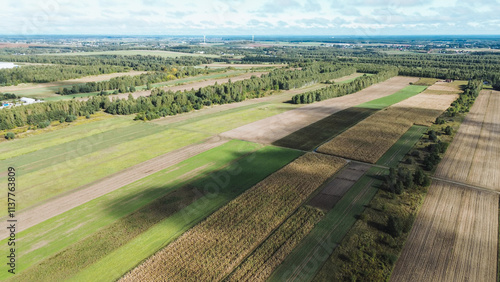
[
  {"x": 449, "y": 80},
  {"x": 27, "y": 100}
]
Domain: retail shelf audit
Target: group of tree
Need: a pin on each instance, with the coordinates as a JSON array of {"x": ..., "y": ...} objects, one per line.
[
  {"x": 7, "y": 96},
  {"x": 337, "y": 90},
  {"x": 401, "y": 178},
  {"x": 162, "y": 103},
  {"x": 128, "y": 83},
  {"x": 466, "y": 99}
]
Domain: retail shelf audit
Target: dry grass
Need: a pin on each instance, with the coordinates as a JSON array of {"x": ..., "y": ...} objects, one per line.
[
  {"x": 474, "y": 155},
  {"x": 262, "y": 262},
  {"x": 454, "y": 237},
  {"x": 371, "y": 138},
  {"x": 212, "y": 249}
]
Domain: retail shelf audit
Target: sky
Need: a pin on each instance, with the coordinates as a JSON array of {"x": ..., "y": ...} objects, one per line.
[{"x": 258, "y": 17}]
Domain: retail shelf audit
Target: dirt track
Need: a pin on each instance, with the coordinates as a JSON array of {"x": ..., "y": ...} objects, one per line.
[
  {"x": 271, "y": 129},
  {"x": 72, "y": 199}
]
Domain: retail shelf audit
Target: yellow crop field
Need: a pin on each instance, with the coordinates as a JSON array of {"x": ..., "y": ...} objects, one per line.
[
  {"x": 212, "y": 249},
  {"x": 371, "y": 138}
]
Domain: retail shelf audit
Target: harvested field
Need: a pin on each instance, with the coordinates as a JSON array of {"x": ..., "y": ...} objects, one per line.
[
  {"x": 371, "y": 138},
  {"x": 274, "y": 128},
  {"x": 213, "y": 248},
  {"x": 260, "y": 264},
  {"x": 335, "y": 189},
  {"x": 108, "y": 184},
  {"x": 474, "y": 155},
  {"x": 454, "y": 237}
]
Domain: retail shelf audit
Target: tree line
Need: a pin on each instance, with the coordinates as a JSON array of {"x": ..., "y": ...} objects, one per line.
[
  {"x": 338, "y": 90},
  {"x": 162, "y": 103},
  {"x": 128, "y": 83}
]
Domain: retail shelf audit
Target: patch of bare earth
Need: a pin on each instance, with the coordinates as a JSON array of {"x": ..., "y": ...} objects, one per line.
[{"x": 274, "y": 128}]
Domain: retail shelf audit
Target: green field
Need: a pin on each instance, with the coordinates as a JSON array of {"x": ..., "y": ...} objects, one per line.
[
  {"x": 399, "y": 96},
  {"x": 143, "y": 196},
  {"x": 165, "y": 54},
  {"x": 252, "y": 168},
  {"x": 305, "y": 260},
  {"x": 59, "y": 168},
  {"x": 395, "y": 154}
]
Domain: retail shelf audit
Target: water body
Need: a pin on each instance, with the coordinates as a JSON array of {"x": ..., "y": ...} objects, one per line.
[{"x": 4, "y": 65}]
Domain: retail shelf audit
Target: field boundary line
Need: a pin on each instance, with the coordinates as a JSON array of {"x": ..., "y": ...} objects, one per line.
[{"x": 465, "y": 185}]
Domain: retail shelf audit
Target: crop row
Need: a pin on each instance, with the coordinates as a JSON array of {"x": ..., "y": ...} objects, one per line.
[
  {"x": 212, "y": 249},
  {"x": 262, "y": 262},
  {"x": 371, "y": 138}
]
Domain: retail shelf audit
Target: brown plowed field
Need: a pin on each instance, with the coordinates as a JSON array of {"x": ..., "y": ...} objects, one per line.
[
  {"x": 368, "y": 140},
  {"x": 474, "y": 155},
  {"x": 108, "y": 184},
  {"x": 454, "y": 238},
  {"x": 274, "y": 128}
]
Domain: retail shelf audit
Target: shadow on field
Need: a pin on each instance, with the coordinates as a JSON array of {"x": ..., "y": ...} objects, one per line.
[{"x": 321, "y": 131}]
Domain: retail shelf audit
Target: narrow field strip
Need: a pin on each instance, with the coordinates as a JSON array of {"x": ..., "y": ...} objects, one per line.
[
  {"x": 384, "y": 102},
  {"x": 454, "y": 238},
  {"x": 313, "y": 135},
  {"x": 272, "y": 129},
  {"x": 368, "y": 140},
  {"x": 396, "y": 153},
  {"x": 103, "y": 186},
  {"x": 61, "y": 177},
  {"x": 306, "y": 260},
  {"x": 30, "y": 144},
  {"x": 260, "y": 264},
  {"x": 211, "y": 250},
  {"x": 50, "y": 237},
  {"x": 473, "y": 156},
  {"x": 232, "y": 181}
]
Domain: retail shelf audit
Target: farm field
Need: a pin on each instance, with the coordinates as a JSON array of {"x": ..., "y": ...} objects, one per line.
[
  {"x": 454, "y": 238},
  {"x": 395, "y": 154},
  {"x": 213, "y": 248},
  {"x": 368, "y": 140},
  {"x": 272, "y": 129},
  {"x": 140, "y": 196},
  {"x": 166, "y": 54},
  {"x": 321, "y": 131},
  {"x": 260, "y": 264},
  {"x": 474, "y": 157},
  {"x": 304, "y": 261},
  {"x": 96, "y": 159},
  {"x": 174, "y": 82}
]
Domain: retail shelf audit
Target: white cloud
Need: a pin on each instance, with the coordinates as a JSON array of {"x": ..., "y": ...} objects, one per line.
[{"x": 249, "y": 16}]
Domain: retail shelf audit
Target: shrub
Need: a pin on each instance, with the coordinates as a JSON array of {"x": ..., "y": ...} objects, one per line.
[
  {"x": 448, "y": 130},
  {"x": 70, "y": 118},
  {"x": 10, "y": 135},
  {"x": 394, "y": 226}
]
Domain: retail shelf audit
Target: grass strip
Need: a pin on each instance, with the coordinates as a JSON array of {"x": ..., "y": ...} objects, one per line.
[
  {"x": 399, "y": 96},
  {"x": 305, "y": 260}
]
